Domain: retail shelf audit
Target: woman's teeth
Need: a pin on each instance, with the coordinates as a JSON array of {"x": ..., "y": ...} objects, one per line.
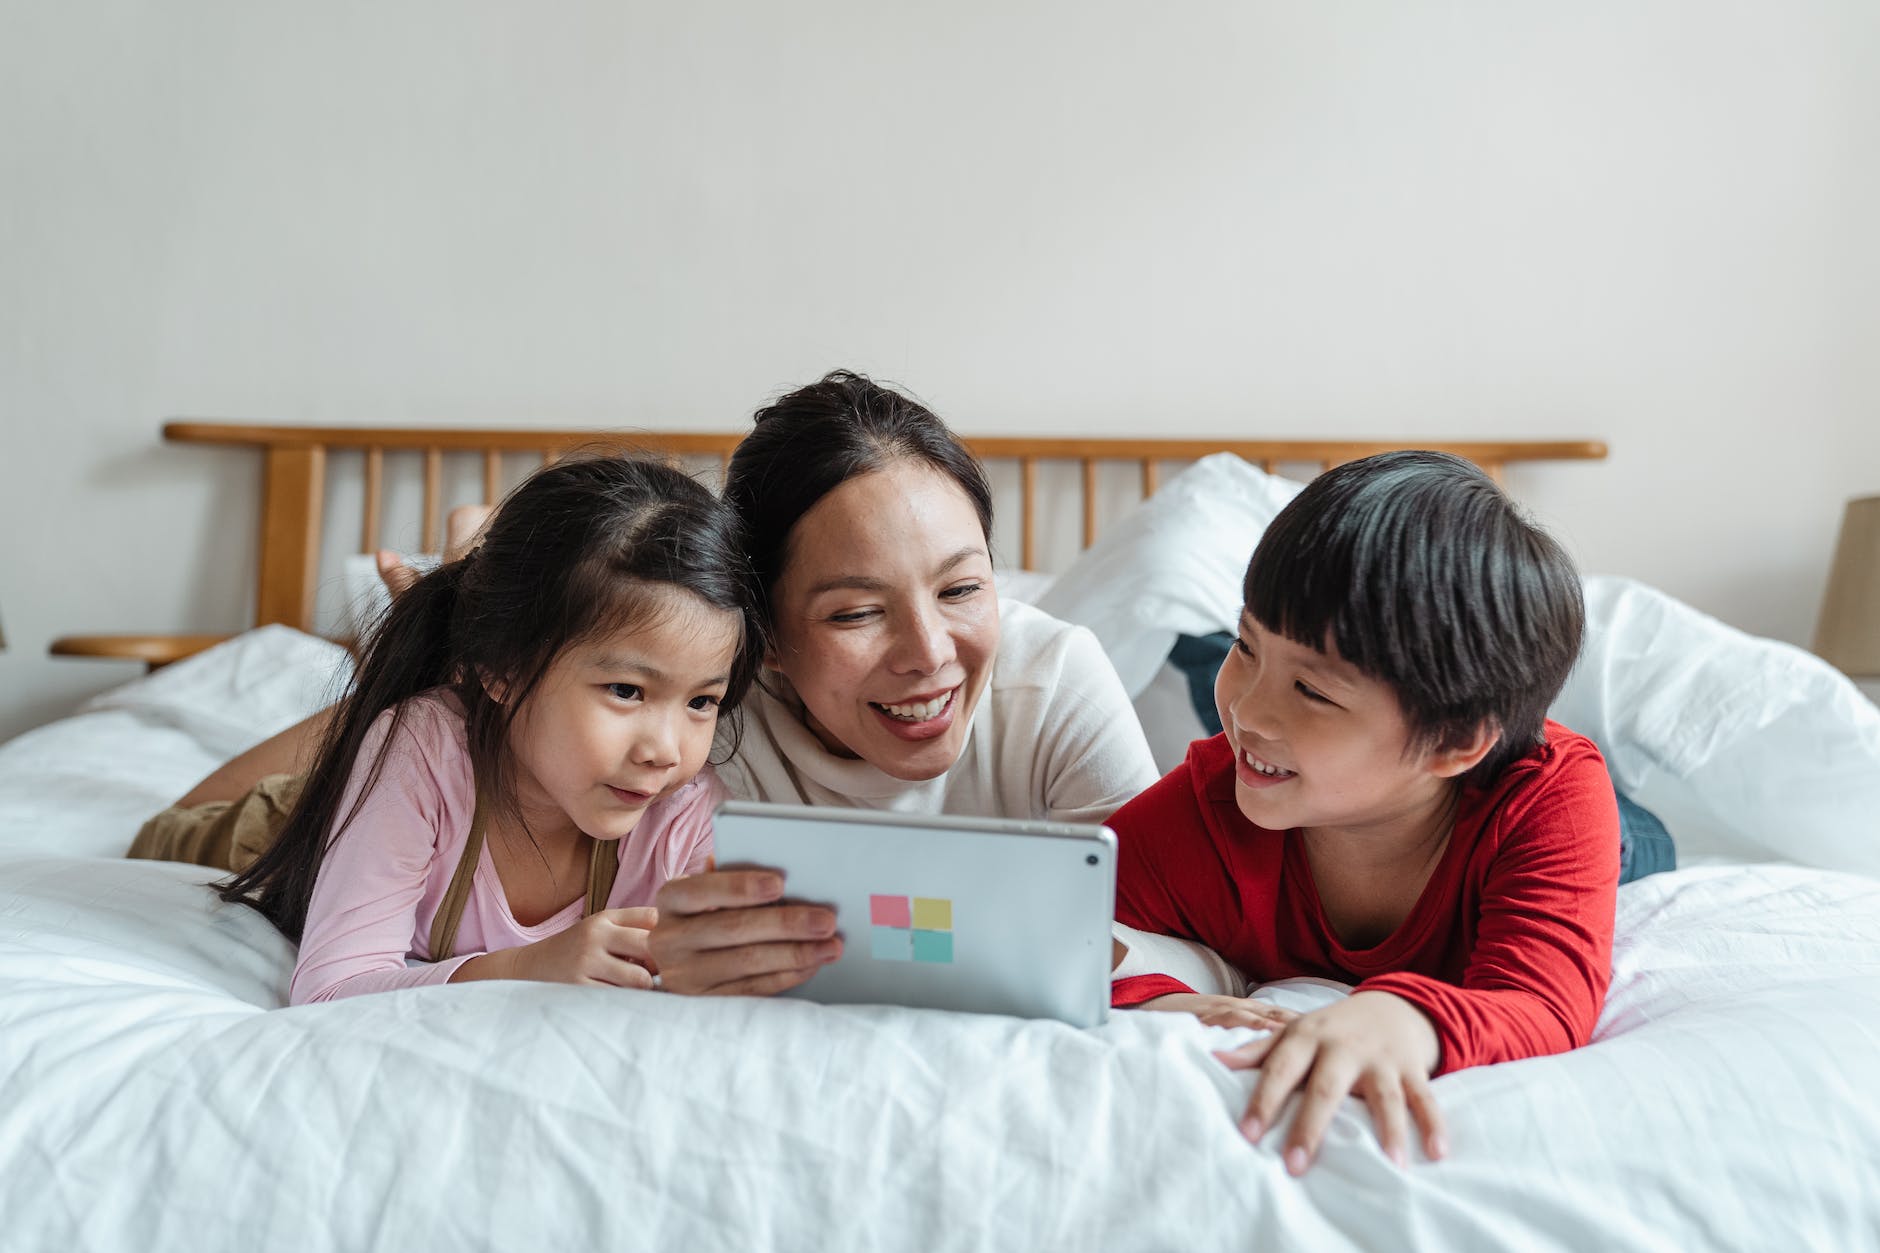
[
  {"x": 1265, "y": 768},
  {"x": 922, "y": 712}
]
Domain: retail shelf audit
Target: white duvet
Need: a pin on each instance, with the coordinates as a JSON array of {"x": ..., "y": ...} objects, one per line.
[{"x": 153, "y": 1097}]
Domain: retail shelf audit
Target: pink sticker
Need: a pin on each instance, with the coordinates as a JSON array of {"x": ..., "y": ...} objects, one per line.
[{"x": 889, "y": 911}]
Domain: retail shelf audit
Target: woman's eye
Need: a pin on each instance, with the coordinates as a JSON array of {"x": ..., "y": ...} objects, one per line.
[
  {"x": 624, "y": 691},
  {"x": 962, "y": 591},
  {"x": 850, "y": 616},
  {"x": 703, "y": 704}
]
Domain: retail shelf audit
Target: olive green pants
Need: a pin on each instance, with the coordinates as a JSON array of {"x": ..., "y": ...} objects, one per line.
[{"x": 229, "y": 835}]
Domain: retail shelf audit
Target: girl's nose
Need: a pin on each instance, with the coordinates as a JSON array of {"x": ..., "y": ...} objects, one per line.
[{"x": 658, "y": 742}]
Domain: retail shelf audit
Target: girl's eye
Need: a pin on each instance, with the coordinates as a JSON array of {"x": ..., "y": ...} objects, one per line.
[
  {"x": 1240, "y": 646},
  {"x": 703, "y": 704},
  {"x": 962, "y": 591},
  {"x": 1309, "y": 694},
  {"x": 624, "y": 691}
]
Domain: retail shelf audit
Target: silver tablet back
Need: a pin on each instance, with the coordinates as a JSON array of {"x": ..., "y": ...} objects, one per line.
[{"x": 981, "y": 915}]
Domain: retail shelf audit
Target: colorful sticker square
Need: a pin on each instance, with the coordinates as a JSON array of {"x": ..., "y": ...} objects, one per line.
[
  {"x": 888, "y": 911},
  {"x": 933, "y": 913},
  {"x": 933, "y": 946},
  {"x": 893, "y": 944}
]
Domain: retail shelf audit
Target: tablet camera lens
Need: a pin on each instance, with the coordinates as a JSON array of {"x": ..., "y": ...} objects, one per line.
[{"x": 1090, "y": 860}]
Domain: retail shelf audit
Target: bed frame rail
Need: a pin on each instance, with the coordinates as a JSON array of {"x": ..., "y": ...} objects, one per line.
[{"x": 295, "y": 462}]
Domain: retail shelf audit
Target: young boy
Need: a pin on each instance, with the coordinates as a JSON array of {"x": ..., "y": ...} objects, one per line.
[{"x": 1387, "y": 805}]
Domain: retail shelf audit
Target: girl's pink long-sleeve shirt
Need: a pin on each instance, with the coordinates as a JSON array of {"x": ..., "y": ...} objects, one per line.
[{"x": 382, "y": 883}]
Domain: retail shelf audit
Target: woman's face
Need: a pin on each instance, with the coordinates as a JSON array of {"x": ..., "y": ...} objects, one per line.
[{"x": 887, "y": 620}]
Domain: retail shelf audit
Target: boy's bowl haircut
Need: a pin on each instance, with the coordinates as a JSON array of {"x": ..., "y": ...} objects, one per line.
[{"x": 1422, "y": 573}]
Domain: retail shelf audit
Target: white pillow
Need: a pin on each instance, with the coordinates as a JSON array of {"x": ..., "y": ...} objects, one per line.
[
  {"x": 1744, "y": 747},
  {"x": 241, "y": 691},
  {"x": 1172, "y": 566}
]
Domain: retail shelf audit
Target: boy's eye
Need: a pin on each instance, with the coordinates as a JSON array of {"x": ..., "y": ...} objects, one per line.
[
  {"x": 1309, "y": 694},
  {"x": 1240, "y": 646},
  {"x": 704, "y": 704},
  {"x": 624, "y": 691}
]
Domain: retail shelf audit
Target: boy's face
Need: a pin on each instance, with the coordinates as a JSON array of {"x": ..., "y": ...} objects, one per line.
[{"x": 1318, "y": 743}]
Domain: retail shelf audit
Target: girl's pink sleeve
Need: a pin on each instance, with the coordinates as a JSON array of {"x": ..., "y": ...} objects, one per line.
[{"x": 362, "y": 919}]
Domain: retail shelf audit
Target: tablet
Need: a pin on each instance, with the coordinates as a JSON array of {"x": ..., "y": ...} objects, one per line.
[{"x": 975, "y": 914}]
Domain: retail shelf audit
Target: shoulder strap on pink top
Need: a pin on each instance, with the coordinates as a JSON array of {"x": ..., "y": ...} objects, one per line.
[{"x": 603, "y": 866}]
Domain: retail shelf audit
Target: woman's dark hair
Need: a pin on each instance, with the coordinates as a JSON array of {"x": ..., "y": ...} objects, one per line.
[
  {"x": 817, "y": 438},
  {"x": 584, "y": 547},
  {"x": 1425, "y": 576}
]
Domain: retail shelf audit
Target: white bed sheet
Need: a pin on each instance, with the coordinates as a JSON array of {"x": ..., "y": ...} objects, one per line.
[{"x": 149, "y": 1099}]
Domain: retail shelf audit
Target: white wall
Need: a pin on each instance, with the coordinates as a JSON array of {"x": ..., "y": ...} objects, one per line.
[{"x": 1649, "y": 223}]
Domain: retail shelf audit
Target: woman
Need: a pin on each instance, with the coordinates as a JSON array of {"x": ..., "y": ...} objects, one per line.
[{"x": 895, "y": 679}]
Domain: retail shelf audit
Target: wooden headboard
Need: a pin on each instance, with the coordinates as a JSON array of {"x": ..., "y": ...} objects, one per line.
[{"x": 295, "y": 463}]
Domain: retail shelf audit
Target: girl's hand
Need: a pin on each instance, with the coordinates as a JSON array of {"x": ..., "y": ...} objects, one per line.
[
  {"x": 1224, "y": 1011},
  {"x": 1375, "y": 1044},
  {"x": 606, "y": 949},
  {"x": 725, "y": 933}
]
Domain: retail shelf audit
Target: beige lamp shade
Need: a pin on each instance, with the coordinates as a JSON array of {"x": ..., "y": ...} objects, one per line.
[{"x": 1848, "y": 635}]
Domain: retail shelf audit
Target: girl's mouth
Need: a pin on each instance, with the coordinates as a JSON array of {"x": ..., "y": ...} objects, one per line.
[
  {"x": 627, "y": 796},
  {"x": 918, "y": 719}
]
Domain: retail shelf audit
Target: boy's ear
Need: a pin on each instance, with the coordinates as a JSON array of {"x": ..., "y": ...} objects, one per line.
[{"x": 1458, "y": 760}]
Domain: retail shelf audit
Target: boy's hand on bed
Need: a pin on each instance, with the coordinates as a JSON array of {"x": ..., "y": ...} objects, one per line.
[
  {"x": 1224, "y": 1011},
  {"x": 1375, "y": 1045},
  {"x": 608, "y": 948},
  {"x": 730, "y": 933}
]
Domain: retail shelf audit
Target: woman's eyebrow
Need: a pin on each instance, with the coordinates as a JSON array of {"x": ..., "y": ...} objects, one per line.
[
  {"x": 964, "y": 554},
  {"x": 865, "y": 583}
]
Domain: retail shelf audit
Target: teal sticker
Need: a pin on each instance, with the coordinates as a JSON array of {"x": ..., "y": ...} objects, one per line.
[
  {"x": 933, "y": 946},
  {"x": 890, "y": 944}
]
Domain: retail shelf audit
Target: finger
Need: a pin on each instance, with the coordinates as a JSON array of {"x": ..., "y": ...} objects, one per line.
[
  {"x": 1285, "y": 1067},
  {"x": 1325, "y": 1090},
  {"x": 767, "y": 985},
  {"x": 719, "y": 889},
  {"x": 719, "y": 969},
  {"x": 1384, "y": 1094},
  {"x": 644, "y": 917},
  {"x": 618, "y": 974},
  {"x": 628, "y": 944},
  {"x": 735, "y": 928},
  {"x": 1428, "y": 1115},
  {"x": 1248, "y": 1055}
]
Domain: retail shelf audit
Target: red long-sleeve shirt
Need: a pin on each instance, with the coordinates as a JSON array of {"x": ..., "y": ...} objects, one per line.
[{"x": 1508, "y": 950}]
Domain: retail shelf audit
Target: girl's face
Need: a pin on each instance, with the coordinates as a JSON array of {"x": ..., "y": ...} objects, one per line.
[
  {"x": 1319, "y": 743},
  {"x": 887, "y": 620},
  {"x": 623, "y": 719}
]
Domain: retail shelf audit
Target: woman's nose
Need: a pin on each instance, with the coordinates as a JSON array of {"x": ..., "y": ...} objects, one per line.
[{"x": 922, "y": 645}]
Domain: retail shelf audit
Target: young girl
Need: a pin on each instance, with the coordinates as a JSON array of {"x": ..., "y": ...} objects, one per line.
[{"x": 520, "y": 762}]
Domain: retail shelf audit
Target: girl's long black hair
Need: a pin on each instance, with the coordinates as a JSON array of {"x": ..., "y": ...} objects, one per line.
[{"x": 582, "y": 548}]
